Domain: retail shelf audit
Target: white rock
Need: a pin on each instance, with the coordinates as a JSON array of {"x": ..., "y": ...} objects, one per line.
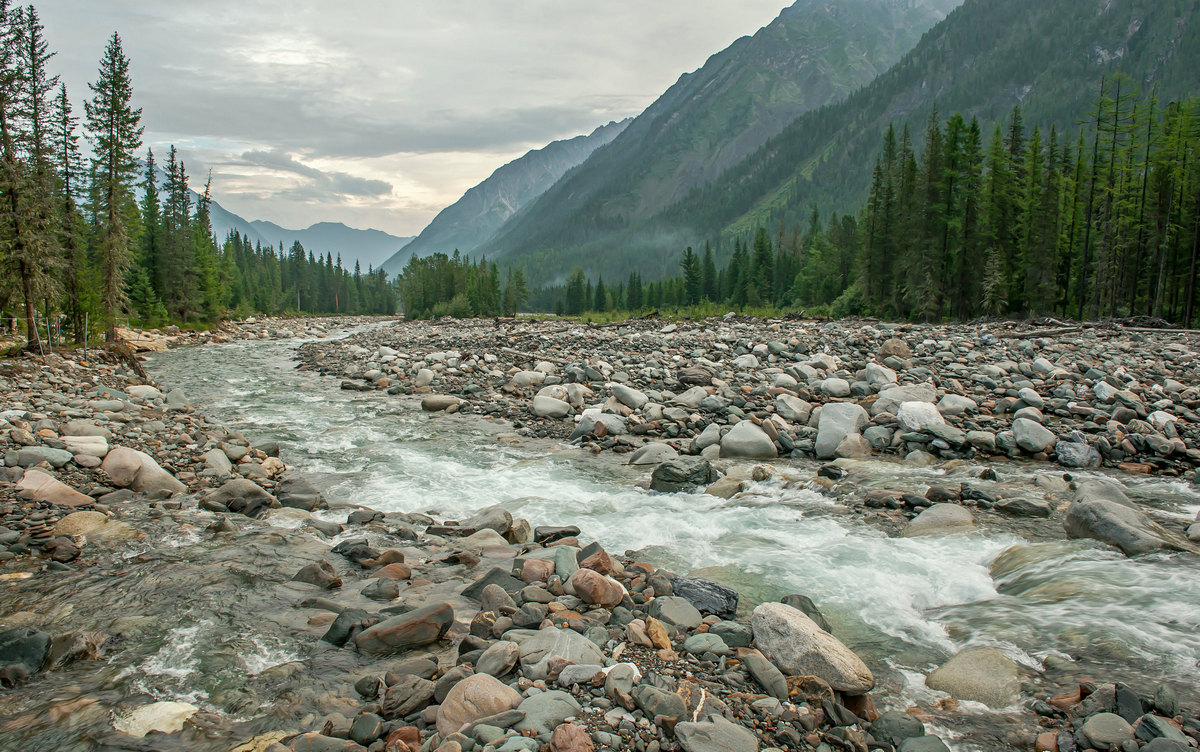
[
  {"x": 548, "y": 407},
  {"x": 167, "y": 717},
  {"x": 838, "y": 420},
  {"x": 747, "y": 440},
  {"x": 914, "y": 416},
  {"x": 524, "y": 379},
  {"x": 798, "y": 647},
  {"x": 92, "y": 446}
]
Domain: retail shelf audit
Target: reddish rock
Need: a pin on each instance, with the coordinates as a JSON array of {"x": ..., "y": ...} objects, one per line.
[
  {"x": 1047, "y": 742},
  {"x": 390, "y": 556},
  {"x": 1066, "y": 700},
  {"x": 658, "y": 633},
  {"x": 598, "y": 562},
  {"x": 1137, "y": 468},
  {"x": 393, "y": 572},
  {"x": 407, "y": 631},
  {"x": 571, "y": 738},
  {"x": 862, "y": 706},
  {"x": 536, "y": 570},
  {"x": 406, "y": 739},
  {"x": 475, "y": 697},
  {"x": 596, "y": 589}
]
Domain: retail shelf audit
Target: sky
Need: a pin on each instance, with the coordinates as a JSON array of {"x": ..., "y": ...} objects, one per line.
[{"x": 379, "y": 113}]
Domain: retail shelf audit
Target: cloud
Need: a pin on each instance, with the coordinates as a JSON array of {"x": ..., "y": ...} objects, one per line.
[
  {"x": 305, "y": 108},
  {"x": 318, "y": 181}
]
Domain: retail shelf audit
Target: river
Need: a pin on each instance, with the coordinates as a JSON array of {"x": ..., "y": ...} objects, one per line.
[{"x": 904, "y": 603}]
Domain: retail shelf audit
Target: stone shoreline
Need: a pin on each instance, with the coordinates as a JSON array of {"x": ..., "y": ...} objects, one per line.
[{"x": 493, "y": 634}]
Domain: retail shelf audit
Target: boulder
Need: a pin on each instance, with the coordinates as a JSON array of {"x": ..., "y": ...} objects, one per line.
[
  {"x": 895, "y": 726},
  {"x": 297, "y": 492},
  {"x": 652, "y": 454},
  {"x": 940, "y": 519},
  {"x": 1101, "y": 510},
  {"x": 747, "y": 440},
  {"x": 890, "y": 399},
  {"x": 475, "y": 697},
  {"x": 916, "y": 416},
  {"x": 24, "y": 646},
  {"x": 1077, "y": 454},
  {"x": 979, "y": 674},
  {"x": 129, "y": 468},
  {"x": 435, "y": 403},
  {"x": 549, "y": 407},
  {"x": 798, "y": 647},
  {"x": 792, "y": 408},
  {"x": 707, "y": 596},
  {"x": 1107, "y": 731},
  {"x": 165, "y": 717},
  {"x": 838, "y": 421},
  {"x": 675, "y": 610},
  {"x": 595, "y": 589},
  {"x": 411, "y": 630},
  {"x": 91, "y": 446},
  {"x": 240, "y": 496},
  {"x": 218, "y": 462},
  {"x": 552, "y": 643},
  {"x": 715, "y": 735},
  {"x": 630, "y": 397},
  {"x": 682, "y": 474},
  {"x": 546, "y": 710},
  {"x": 45, "y": 487},
  {"x": 1032, "y": 436}
]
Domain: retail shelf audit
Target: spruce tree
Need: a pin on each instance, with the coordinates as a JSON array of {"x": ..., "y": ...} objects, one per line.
[{"x": 115, "y": 132}]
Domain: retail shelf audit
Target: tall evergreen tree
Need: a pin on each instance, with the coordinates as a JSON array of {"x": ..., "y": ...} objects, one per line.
[{"x": 115, "y": 132}]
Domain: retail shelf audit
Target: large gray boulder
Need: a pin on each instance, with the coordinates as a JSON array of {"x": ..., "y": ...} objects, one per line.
[
  {"x": 551, "y": 643},
  {"x": 890, "y": 399},
  {"x": 982, "y": 675},
  {"x": 746, "y": 440},
  {"x": 792, "y": 408},
  {"x": 838, "y": 420},
  {"x": 129, "y": 468},
  {"x": 1100, "y": 510},
  {"x": 652, "y": 454},
  {"x": 715, "y": 735},
  {"x": 798, "y": 647},
  {"x": 240, "y": 496},
  {"x": 1032, "y": 436}
]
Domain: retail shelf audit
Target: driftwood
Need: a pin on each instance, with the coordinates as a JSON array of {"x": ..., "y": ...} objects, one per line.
[{"x": 535, "y": 356}]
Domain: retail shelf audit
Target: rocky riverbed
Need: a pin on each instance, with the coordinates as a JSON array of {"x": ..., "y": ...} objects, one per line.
[{"x": 171, "y": 584}]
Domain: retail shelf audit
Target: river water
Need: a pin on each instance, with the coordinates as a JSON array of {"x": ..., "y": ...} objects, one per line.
[
  {"x": 904, "y": 604},
  {"x": 907, "y": 603}
]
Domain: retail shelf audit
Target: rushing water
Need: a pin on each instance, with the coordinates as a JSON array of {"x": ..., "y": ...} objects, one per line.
[
  {"x": 222, "y": 638},
  {"x": 907, "y": 602}
]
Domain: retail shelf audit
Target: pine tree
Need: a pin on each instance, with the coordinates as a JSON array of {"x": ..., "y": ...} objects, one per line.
[
  {"x": 115, "y": 132},
  {"x": 710, "y": 281},
  {"x": 77, "y": 286},
  {"x": 693, "y": 278}
]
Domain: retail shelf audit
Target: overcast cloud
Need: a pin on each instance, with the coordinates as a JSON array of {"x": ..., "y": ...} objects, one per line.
[{"x": 378, "y": 113}]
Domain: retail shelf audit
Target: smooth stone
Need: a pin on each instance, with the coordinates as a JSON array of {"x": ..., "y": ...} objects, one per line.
[
  {"x": 652, "y": 454},
  {"x": 895, "y": 726},
  {"x": 549, "y": 407},
  {"x": 45, "y": 487},
  {"x": 551, "y": 643},
  {"x": 715, "y": 735},
  {"x": 413, "y": 629},
  {"x": 1107, "y": 730},
  {"x": 167, "y": 717},
  {"x": 747, "y": 440},
  {"x": 434, "y": 403},
  {"x": 979, "y": 674},
  {"x": 838, "y": 421},
  {"x": 707, "y": 596},
  {"x": 544, "y": 711},
  {"x": 475, "y": 697},
  {"x": 129, "y": 468},
  {"x": 798, "y": 647},
  {"x": 1101, "y": 510},
  {"x": 675, "y": 610},
  {"x": 916, "y": 416},
  {"x": 940, "y": 519},
  {"x": 1032, "y": 436}
]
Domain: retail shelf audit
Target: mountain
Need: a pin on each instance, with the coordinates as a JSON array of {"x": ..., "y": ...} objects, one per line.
[
  {"x": 369, "y": 248},
  {"x": 814, "y": 53},
  {"x": 985, "y": 58},
  {"x": 1048, "y": 56},
  {"x": 483, "y": 209}
]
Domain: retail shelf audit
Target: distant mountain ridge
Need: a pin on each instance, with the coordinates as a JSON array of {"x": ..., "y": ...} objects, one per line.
[
  {"x": 816, "y": 52},
  {"x": 483, "y": 209},
  {"x": 369, "y": 248}
]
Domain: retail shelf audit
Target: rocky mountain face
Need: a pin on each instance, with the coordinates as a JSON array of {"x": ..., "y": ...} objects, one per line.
[
  {"x": 814, "y": 54},
  {"x": 471, "y": 220}
]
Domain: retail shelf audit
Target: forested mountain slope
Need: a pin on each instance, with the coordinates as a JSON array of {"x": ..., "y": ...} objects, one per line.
[{"x": 815, "y": 53}]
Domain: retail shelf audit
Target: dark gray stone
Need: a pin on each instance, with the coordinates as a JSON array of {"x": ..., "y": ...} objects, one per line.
[
  {"x": 707, "y": 596},
  {"x": 682, "y": 474}
]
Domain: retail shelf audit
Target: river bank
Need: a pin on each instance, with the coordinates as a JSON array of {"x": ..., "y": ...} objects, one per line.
[{"x": 301, "y": 686}]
